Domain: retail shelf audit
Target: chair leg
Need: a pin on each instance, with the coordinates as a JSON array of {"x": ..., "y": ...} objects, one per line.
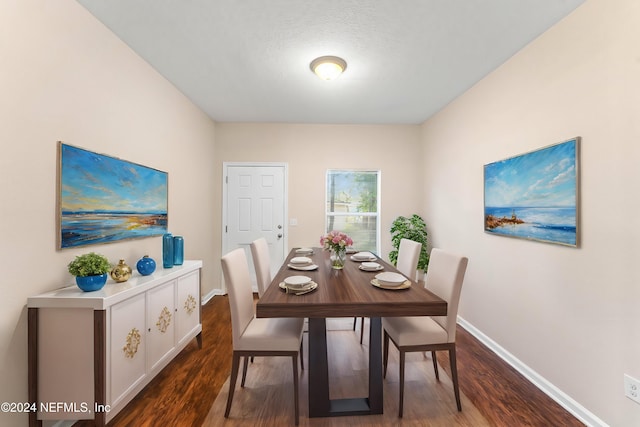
[
  {"x": 301, "y": 357},
  {"x": 361, "y": 329},
  {"x": 295, "y": 388},
  {"x": 385, "y": 354},
  {"x": 454, "y": 375},
  {"x": 355, "y": 319},
  {"x": 244, "y": 370},
  {"x": 435, "y": 365},
  {"x": 401, "y": 403},
  {"x": 235, "y": 364}
]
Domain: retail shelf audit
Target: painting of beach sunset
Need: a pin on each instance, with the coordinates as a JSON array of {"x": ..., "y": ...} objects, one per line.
[
  {"x": 104, "y": 199},
  {"x": 534, "y": 195}
]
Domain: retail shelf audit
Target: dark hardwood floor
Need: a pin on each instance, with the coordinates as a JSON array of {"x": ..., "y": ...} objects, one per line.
[{"x": 183, "y": 393}]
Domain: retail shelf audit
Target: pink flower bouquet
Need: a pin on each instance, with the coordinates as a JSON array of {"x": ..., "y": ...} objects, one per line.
[{"x": 335, "y": 240}]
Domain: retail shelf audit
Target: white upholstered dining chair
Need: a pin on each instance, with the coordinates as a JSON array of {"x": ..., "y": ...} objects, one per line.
[
  {"x": 408, "y": 257},
  {"x": 423, "y": 333},
  {"x": 256, "y": 336},
  {"x": 262, "y": 263},
  {"x": 407, "y": 264}
]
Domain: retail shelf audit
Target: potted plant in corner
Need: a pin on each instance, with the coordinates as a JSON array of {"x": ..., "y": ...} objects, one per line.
[
  {"x": 91, "y": 271},
  {"x": 415, "y": 229}
]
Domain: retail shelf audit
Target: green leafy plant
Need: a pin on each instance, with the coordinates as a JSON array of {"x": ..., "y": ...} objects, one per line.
[
  {"x": 413, "y": 228},
  {"x": 90, "y": 264}
]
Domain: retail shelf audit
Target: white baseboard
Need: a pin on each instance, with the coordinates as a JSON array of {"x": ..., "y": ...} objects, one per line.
[
  {"x": 577, "y": 410},
  {"x": 206, "y": 298}
]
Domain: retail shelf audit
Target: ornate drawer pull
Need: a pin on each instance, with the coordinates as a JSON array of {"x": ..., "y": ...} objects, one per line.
[
  {"x": 164, "y": 320},
  {"x": 190, "y": 304},
  {"x": 133, "y": 341}
]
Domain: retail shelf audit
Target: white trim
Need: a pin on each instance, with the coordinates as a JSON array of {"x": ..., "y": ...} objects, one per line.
[
  {"x": 377, "y": 215},
  {"x": 206, "y": 298},
  {"x": 564, "y": 400}
]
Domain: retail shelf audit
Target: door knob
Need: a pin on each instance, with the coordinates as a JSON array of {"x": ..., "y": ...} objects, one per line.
[{"x": 279, "y": 235}]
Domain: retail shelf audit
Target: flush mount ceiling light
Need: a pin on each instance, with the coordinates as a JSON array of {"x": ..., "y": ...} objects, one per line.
[{"x": 328, "y": 67}]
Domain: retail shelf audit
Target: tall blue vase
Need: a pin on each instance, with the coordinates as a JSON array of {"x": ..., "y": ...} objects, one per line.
[
  {"x": 178, "y": 250},
  {"x": 167, "y": 250}
]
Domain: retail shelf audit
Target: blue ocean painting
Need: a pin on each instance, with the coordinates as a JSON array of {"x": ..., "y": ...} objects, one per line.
[
  {"x": 534, "y": 195},
  {"x": 104, "y": 199}
]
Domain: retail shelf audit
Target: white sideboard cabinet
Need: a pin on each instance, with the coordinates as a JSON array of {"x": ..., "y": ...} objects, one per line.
[{"x": 90, "y": 353}]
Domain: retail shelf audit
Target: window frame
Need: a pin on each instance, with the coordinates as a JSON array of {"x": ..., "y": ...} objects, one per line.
[{"x": 377, "y": 215}]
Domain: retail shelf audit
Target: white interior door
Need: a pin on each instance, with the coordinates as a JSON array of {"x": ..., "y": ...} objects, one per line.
[{"x": 255, "y": 206}]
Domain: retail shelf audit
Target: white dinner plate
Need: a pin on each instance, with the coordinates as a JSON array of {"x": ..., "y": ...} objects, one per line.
[
  {"x": 298, "y": 291},
  {"x": 306, "y": 267},
  {"x": 304, "y": 251}
]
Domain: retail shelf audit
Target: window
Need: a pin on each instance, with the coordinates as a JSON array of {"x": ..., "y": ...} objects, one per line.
[{"x": 353, "y": 206}]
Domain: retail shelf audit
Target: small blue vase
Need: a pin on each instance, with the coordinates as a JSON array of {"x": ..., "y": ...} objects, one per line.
[
  {"x": 178, "y": 250},
  {"x": 167, "y": 250},
  {"x": 146, "y": 265},
  {"x": 91, "y": 283}
]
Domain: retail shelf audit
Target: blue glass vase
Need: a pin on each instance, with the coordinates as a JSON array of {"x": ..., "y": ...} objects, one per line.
[
  {"x": 146, "y": 265},
  {"x": 167, "y": 250},
  {"x": 178, "y": 250}
]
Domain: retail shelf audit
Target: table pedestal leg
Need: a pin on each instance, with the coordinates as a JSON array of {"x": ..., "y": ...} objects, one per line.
[
  {"x": 319, "y": 403},
  {"x": 318, "y": 369},
  {"x": 375, "y": 365}
]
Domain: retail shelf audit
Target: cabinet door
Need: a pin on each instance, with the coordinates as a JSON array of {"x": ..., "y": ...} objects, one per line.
[
  {"x": 188, "y": 306},
  {"x": 160, "y": 323},
  {"x": 127, "y": 349}
]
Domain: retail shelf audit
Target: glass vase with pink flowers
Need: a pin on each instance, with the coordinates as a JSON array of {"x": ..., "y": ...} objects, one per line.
[{"x": 336, "y": 242}]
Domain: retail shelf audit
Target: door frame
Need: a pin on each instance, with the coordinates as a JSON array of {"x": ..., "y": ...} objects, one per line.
[{"x": 285, "y": 221}]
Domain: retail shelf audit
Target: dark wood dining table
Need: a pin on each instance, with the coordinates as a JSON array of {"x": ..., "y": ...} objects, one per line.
[{"x": 344, "y": 293}]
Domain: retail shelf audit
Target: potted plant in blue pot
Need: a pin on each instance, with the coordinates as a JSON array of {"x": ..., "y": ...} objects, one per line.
[{"x": 91, "y": 271}]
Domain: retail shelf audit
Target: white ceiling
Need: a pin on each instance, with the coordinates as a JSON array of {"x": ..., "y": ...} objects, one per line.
[{"x": 248, "y": 60}]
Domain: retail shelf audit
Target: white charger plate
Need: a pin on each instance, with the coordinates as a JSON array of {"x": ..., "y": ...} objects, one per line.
[{"x": 405, "y": 285}]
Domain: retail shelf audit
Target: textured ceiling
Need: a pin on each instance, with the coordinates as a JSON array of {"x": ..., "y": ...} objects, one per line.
[{"x": 248, "y": 60}]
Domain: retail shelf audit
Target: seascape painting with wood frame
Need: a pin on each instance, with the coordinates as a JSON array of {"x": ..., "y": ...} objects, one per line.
[
  {"x": 104, "y": 199},
  {"x": 535, "y": 195}
]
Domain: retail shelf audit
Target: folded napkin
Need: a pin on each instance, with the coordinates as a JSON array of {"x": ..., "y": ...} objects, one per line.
[
  {"x": 300, "y": 260},
  {"x": 297, "y": 282},
  {"x": 371, "y": 266},
  {"x": 363, "y": 256}
]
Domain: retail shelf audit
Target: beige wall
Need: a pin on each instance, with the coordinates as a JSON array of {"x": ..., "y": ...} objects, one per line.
[
  {"x": 64, "y": 76},
  {"x": 309, "y": 150},
  {"x": 568, "y": 314}
]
